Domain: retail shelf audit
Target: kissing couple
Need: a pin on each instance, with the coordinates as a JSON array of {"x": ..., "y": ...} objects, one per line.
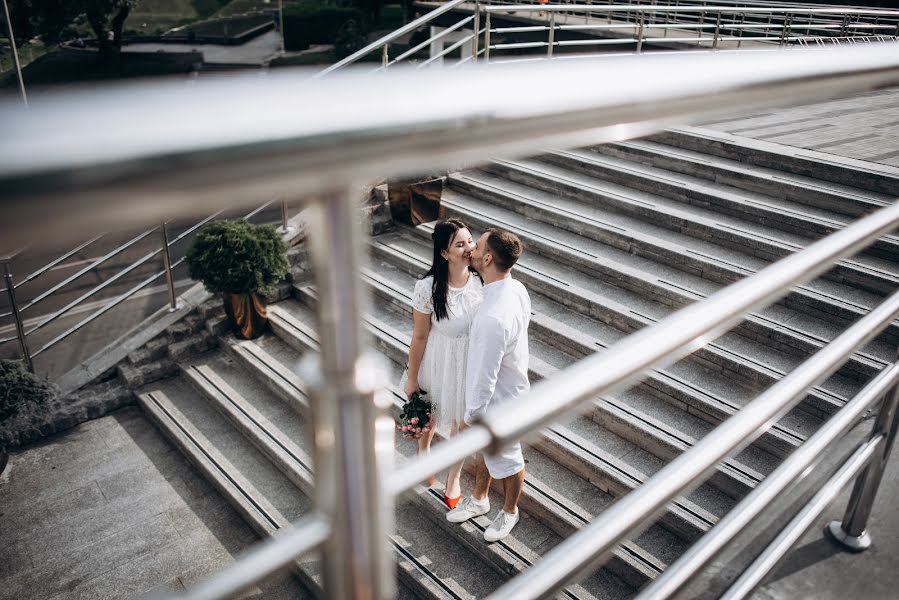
[{"x": 469, "y": 351}]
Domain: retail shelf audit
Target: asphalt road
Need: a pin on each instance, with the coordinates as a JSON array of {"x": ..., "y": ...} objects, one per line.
[{"x": 86, "y": 287}]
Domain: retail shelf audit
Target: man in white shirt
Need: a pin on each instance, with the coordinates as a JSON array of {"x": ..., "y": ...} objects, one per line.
[{"x": 497, "y": 374}]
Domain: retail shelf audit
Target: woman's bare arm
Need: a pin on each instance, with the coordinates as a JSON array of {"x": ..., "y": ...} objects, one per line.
[{"x": 421, "y": 328}]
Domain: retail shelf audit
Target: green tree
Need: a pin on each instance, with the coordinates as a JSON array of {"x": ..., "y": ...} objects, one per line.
[{"x": 53, "y": 20}]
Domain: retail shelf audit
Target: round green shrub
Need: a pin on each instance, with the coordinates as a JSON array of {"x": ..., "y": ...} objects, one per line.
[
  {"x": 21, "y": 390},
  {"x": 237, "y": 257}
]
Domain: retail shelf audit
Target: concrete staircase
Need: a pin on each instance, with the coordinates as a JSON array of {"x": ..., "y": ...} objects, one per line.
[{"x": 616, "y": 238}]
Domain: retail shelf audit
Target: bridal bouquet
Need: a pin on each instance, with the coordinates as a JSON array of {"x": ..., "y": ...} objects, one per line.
[{"x": 415, "y": 418}]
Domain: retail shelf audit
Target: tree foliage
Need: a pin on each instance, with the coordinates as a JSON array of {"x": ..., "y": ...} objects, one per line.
[{"x": 55, "y": 20}]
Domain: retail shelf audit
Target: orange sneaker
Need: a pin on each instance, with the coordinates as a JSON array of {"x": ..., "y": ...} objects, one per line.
[{"x": 452, "y": 502}]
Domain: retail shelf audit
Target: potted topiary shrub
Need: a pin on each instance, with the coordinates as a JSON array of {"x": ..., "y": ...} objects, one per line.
[{"x": 239, "y": 260}]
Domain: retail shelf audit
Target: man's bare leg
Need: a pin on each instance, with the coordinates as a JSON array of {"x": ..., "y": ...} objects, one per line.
[
  {"x": 482, "y": 481},
  {"x": 512, "y": 486}
]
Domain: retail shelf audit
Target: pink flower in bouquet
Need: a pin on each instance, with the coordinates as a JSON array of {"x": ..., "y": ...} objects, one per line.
[{"x": 414, "y": 420}]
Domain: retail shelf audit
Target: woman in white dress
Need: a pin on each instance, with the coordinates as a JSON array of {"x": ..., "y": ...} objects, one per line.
[{"x": 444, "y": 302}]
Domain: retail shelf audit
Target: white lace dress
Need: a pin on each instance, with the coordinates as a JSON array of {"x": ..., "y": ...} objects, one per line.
[{"x": 442, "y": 370}]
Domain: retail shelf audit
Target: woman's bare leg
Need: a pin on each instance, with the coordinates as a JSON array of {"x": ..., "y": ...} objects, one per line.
[
  {"x": 424, "y": 446},
  {"x": 453, "y": 476}
]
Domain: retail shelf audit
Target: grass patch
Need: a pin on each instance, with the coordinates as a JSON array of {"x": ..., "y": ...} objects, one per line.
[
  {"x": 239, "y": 7},
  {"x": 158, "y": 16},
  {"x": 28, "y": 53}
]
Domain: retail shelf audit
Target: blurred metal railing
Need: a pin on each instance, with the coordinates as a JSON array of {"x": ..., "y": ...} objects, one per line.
[
  {"x": 17, "y": 310},
  {"x": 726, "y": 24},
  {"x": 189, "y": 160}
]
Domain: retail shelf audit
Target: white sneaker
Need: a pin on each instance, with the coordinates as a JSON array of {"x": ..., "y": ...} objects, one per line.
[
  {"x": 468, "y": 509},
  {"x": 501, "y": 527}
]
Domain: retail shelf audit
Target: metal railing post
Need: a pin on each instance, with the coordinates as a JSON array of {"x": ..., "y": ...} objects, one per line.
[
  {"x": 717, "y": 32},
  {"x": 385, "y": 56},
  {"x": 20, "y": 328},
  {"x": 476, "y": 29},
  {"x": 852, "y": 532},
  {"x": 788, "y": 19},
  {"x": 285, "y": 218},
  {"x": 167, "y": 264},
  {"x": 352, "y": 431},
  {"x": 640, "y": 33},
  {"x": 552, "y": 35},
  {"x": 487, "y": 39}
]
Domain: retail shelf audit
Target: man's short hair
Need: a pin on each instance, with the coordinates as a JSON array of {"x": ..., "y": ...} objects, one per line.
[{"x": 505, "y": 248}]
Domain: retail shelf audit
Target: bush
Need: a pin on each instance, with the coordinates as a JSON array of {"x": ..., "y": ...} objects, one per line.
[
  {"x": 348, "y": 40},
  {"x": 21, "y": 390},
  {"x": 315, "y": 24},
  {"x": 237, "y": 257}
]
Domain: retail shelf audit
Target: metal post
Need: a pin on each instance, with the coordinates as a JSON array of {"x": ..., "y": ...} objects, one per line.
[
  {"x": 640, "y": 34},
  {"x": 477, "y": 32},
  {"x": 786, "y": 29},
  {"x": 167, "y": 263},
  {"x": 701, "y": 21},
  {"x": 385, "y": 56},
  {"x": 717, "y": 31},
  {"x": 281, "y": 23},
  {"x": 487, "y": 39},
  {"x": 20, "y": 328},
  {"x": 852, "y": 533},
  {"x": 353, "y": 432},
  {"x": 15, "y": 58},
  {"x": 285, "y": 220},
  {"x": 552, "y": 35},
  {"x": 742, "y": 22}
]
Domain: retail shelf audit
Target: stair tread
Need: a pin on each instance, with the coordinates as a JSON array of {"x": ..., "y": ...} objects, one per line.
[
  {"x": 537, "y": 536},
  {"x": 678, "y": 221},
  {"x": 445, "y": 559},
  {"x": 596, "y": 434},
  {"x": 229, "y": 442},
  {"x": 665, "y": 281},
  {"x": 765, "y": 216},
  {"x": 758, "y": 171},
  {"x": 636, "y": 307},
  {"x": 711, "y": 381}
]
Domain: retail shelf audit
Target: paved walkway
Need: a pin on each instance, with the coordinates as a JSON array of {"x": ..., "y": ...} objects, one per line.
[
  {"x": 110, "y": 509},
  {"x": 863, "y": 126}
]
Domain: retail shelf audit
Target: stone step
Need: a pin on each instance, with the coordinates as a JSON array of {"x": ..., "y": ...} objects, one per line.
[
  {"x": 280, "y": 433},
  {"x": 859, "y": 174},
  {"x": 817, "y": 194},
  {"x": 753, "y": 364},
  {"x": 797, "y": 221},
  {"x": 789, "y": 329},
  {"x": 243, "y": 477},
  {"x": 585, "y": 454},
  {"x": 506, "y": 557},
  {"x": 697, "y": 240},
  {"x": 636, "y": 416},
  {"x": 557, "y": 509}
]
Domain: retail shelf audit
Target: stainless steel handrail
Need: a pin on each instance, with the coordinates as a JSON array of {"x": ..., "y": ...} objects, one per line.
[
  {"x": 651, "y": 348},
  {"x": 680, "y": 572},
  {"x": 91, "y": 266},
  {"x": 749, "y": 579},
  {"x": 404, "y": 124},
  {"x": 390, "y": 37},
  {"x": 57, "y": 261},
  {"x": 339, "y": 141},
  {"x": 580, "y": 551}
]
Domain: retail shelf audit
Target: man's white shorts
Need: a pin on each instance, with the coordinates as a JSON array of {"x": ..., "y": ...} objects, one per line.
[{"x": 506, "y": 463}]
